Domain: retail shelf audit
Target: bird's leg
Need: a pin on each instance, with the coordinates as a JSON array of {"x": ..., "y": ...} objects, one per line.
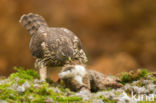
[
  {"x": 43, "y": 73},
  {"x": 39, "y": 64}
]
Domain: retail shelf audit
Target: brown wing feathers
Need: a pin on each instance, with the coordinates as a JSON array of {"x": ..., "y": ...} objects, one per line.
[{"x": 32, "y": 22}]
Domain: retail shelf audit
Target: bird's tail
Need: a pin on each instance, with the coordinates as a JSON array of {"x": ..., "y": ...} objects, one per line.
[{"x": 32, "y": 22}]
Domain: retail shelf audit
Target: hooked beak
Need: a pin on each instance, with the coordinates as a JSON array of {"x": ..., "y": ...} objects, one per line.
[{"x": 70, "y": 59}]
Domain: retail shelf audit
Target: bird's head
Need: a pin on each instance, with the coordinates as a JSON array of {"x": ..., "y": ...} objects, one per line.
[{"x": 65, "y": 54}]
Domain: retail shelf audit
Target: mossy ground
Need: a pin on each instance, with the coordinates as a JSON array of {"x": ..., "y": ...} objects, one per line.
[
  {"x": 34, "y": 94},
  {"x": 130, "y": 77},
  {"x": 24, "y": 86}
]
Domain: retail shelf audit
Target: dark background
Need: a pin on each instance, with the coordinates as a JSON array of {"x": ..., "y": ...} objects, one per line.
[{"x": 117, "y": 35}]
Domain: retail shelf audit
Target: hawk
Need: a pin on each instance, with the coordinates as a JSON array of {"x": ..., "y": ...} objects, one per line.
[{"x": 51, "y": 46}]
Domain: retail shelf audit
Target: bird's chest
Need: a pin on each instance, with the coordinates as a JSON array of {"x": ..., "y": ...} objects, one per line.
[{"x": 52, "y": 60}]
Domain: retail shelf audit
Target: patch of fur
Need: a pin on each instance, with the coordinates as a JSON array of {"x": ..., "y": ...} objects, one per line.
[
  {"x": 74, "y": 71},
  {"x": 76, "y": 76}
]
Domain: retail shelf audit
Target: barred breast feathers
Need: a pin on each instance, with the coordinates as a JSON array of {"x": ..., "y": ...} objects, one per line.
[{"x": 32, "y": 22}]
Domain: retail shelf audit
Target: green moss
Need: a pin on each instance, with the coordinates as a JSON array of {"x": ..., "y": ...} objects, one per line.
[
  {"x": 8, "y": 94},
  {"x": 129, "y": 77},
  {"x": 24, "y": 74},
  {"x": 126, "y": 78},
  {"x": 44, "y": 91},
  {"x": 64, "y": 99},
  {"x": 153, "y": 79},
  {"x": 142, "y": 73},
  {"x": 21, "y": 81},
  {"x": 118, "y": 93},
  {"x": 48, "y": 80},
  {"x": 33, "y": 94},
  {"x": 106, "y": 100},
  {"x": 107, "y": 89},
  {"x": 148, "y": 101}
]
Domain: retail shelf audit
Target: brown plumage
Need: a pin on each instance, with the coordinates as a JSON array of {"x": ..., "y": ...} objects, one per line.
[
  {"x": 51, "y": 46},
  {"x": 32, "y": 22}
]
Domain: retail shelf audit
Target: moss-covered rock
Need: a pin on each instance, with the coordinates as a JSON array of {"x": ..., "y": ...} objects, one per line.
[
  {"x": 24, "y": 86},
  {"x": 133, "y": 76}
]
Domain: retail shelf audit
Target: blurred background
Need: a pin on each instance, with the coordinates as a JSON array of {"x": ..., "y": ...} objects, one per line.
[{"x": 117, "y": 35}]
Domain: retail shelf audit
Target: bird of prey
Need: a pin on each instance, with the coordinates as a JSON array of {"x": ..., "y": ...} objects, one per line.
[
  {"x": 51, "y": 46},
  {"x": 77, "y": 78}
]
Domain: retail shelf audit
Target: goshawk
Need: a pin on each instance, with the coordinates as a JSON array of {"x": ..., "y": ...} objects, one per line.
[{"x": 52, "y": 46}]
